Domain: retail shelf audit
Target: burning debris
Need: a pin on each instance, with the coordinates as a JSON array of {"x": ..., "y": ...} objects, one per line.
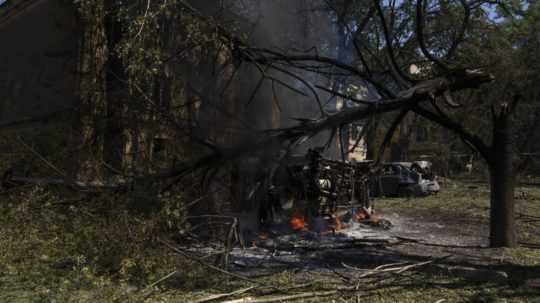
[
  {"x": 298, "y": 222},
  {"x": 342, "y": 230},
  {"x": 309, "y": 198},
  {"x": 313, "y": 186}
]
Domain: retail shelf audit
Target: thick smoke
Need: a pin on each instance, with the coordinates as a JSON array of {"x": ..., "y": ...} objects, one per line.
[{"x": 290, "y": 26}]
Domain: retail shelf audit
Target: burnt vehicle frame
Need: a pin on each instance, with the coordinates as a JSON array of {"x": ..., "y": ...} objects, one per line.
[{"x": 315, "y": 186}]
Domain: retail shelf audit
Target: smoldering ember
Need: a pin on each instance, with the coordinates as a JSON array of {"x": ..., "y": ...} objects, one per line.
[{"x": 269, "y": 151}]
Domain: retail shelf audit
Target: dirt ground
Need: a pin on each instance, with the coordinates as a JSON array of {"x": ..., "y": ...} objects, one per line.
[{"x": 450, "y": 230}]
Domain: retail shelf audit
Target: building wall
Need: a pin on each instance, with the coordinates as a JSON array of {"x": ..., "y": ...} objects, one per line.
[
  {"x": 38, "y": 59},
  {"x": 359, "y": 153}
]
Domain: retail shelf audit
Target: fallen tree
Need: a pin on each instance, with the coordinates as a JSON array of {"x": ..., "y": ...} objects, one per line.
[{"x": 381, "y": 70}]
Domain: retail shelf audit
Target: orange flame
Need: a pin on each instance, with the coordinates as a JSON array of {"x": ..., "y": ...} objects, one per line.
[
  {"x": 298, "y": 222},
  {"x": 337, "y": 223},
  {"x": 361, "y": 216}
]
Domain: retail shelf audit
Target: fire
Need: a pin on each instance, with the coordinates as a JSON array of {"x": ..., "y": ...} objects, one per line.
[
  {"x": 361, "y": 216},
  {"x": 337, "y": 223},
  {"x": 298, "y": 222}
]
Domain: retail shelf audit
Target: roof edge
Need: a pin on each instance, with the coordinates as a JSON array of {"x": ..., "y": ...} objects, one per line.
[{"x": 17, "y": 10}]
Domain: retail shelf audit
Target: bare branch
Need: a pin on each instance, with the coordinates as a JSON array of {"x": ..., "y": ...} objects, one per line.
[
  {"x": 455, "y": 127},
  {"x": 463, "y": 29},
  {"x": 403, "y": 79},
  {"x": 353, "y": 34},
  {"x": 420, "y": 36},
  {"x": 347, "y": 97},
  {"x": 267, "y": 56},
  {"x": 308, "y": 128},
  {"x": 390, "y": 133}
]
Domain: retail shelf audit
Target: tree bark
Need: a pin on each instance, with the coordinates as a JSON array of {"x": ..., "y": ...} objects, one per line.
[
  {"x": 502, "y": 174},
  {"x": 115, "y": 91},
  {"x": 88, "y": 140},
  {"x": 500, "y": 159}
]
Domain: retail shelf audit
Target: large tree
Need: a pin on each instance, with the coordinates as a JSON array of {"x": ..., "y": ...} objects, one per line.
[
  {"x": 386, "y": 38},
  {"x": 377, "y": 42},
  {"x": 500, "y": 120}
]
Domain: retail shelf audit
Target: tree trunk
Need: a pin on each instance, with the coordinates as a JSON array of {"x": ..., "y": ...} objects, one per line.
[
  {"x": 92, "y": 59},
  {"x": 116, "y": 90},
  {"x": 502, "y": 174}
]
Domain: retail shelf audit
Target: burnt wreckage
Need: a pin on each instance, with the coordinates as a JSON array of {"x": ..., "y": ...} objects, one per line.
[
  {"x": 404, "y": 179},
  {"x": 312, "y": 186}
]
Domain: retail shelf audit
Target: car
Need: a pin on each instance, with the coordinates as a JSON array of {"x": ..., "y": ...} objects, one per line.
[{"x": 403, "y": 179}]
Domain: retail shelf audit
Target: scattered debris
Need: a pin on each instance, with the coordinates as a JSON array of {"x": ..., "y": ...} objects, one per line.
[
  {"x": 473, "y": 274},
  {"x": 533, "y": 283},
  {"x": 287, "y": 298},
  {"x": 223, "y": 296},
  {"x": 393, "y": 268}
]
